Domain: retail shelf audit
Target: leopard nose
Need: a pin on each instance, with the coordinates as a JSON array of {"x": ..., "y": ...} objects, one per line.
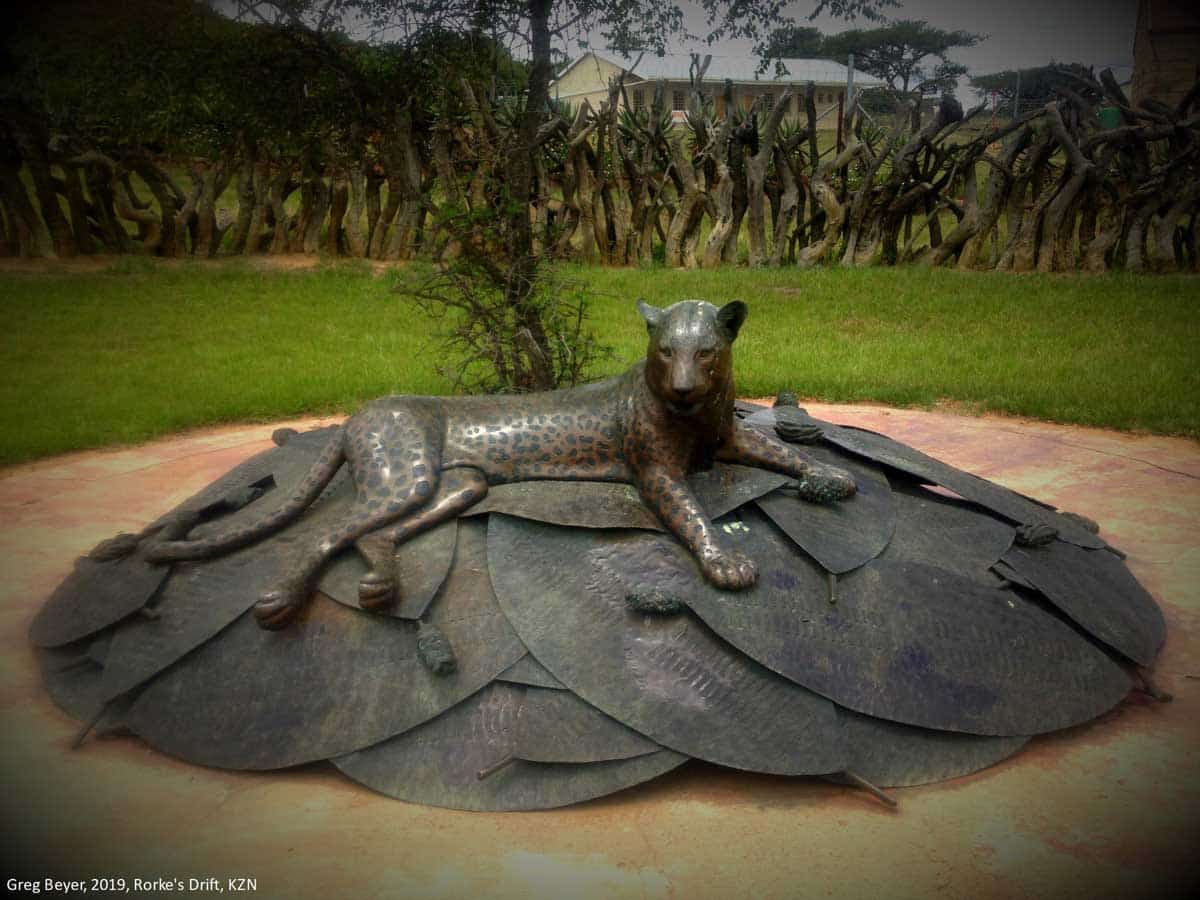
[{"x": 683, "y": 388}]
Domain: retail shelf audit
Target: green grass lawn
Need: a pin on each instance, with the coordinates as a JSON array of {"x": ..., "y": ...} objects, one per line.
[{"x": 146, "y": 348}]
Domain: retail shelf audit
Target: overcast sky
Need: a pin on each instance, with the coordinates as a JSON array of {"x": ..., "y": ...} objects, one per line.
[{"x": 1020, "y": 33}]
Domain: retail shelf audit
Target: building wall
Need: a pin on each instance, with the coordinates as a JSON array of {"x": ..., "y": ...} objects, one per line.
[
  {"x": 1166, "y": 50},
  {"x": 588, "y": 80}
]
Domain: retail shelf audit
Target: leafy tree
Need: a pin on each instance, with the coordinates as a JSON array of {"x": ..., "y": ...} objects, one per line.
[
  {"x": 797, "y": 42},
  {"x": 911, "y": 56},
  {"x": 510, "y": 258},
  {"x": 1039, "y": 84}
]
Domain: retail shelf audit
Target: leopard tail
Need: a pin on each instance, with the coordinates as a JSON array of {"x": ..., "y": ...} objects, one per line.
[{"x": 317, "y": 479}]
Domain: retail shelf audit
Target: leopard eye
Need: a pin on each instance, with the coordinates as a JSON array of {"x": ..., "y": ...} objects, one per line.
[
  {"x": 705, "y": 353},
  {"x": 664, "y": 352}
]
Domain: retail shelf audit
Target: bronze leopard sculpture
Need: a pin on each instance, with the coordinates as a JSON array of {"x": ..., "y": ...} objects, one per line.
[{"x": 417, "y": 461}]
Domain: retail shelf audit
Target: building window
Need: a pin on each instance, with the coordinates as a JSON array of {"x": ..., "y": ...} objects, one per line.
[
  {"x": 768, "y": 100},
  {"x": 639, "y": 100},
  {"x": 677, "y": 101}
]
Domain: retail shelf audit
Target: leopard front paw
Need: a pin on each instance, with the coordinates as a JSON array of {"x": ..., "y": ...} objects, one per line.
[
  {"x": 825, "y": 484},
  {"x": 729, "y": 570}
]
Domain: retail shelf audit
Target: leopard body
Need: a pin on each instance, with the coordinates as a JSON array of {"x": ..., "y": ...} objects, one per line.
[{"x": 416, "y": 461}]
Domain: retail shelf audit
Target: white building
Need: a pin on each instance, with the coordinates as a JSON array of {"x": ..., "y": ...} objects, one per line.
[{"x": 587, "y": 78}]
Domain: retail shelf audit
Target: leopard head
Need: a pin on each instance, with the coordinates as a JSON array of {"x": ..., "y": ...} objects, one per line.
[{"x": 689, "y": 363}]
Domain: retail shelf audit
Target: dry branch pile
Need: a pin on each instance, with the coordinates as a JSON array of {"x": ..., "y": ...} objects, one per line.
[{"x": 1053, "y": 191}]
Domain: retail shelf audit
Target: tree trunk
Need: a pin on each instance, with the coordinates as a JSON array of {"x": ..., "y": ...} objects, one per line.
[
  {"x": 722, "y": 195},
  {"x": 864, "y": 196},
  {"x": 1108, "y": 232},
  {"x": 688, "y": 212},
  {"x": 1063, "y": 203},
  {"x": 247, "y": 201},
  {"x": 577, "y": 205},
  {"x": 356, "y": 239},
  {"x": 999, "y": 183},
  {"x": 741, "y": 202},
  {"x": 1164, "y": 258},
  {"x": 77, "y": 203},
  {"x": 967, "y": 227},
  {"x": 539, "y": 372},
  {"x": 756, "y": 177},
  {"x": 339, "y": 200},
  {"x": 314, "y": 216},
  {"x": 215, "y": 179},
  {"x": 255, "y": 232},
  {"x": 33, "y": 234},
  {"x": 1015, "y": 211},
  {"x": 1135, "y": 238},
  {"x": 169, "y": 198},
  {"x": 788, "y": 201},
  {"x": 408, "y": 183},
  {"x": 373, "y": 184},
  {"x": 9, "y": 242},
  {"x": 112, "y": 232},
  {"x": 281, "y": 188},
  {"x": 31, "y": 142},
  {"x": 826, "y": 196}
]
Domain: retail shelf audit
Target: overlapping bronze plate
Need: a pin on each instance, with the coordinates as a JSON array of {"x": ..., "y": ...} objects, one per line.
[
  {"x": 947, "y": 533},
  {"x": 1098, "y": 593},
  {"x": 332, "y": 682},
  {"x": 670, "y": 678},
  {"x": 840, "y": 536},
  {"x": 887, "y": 452},
  {"x": 880, "y": 639},
  {"x": 475, "y": 755}
]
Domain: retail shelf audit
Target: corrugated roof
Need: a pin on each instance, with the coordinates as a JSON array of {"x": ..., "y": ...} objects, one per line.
[{"x": 675, "y": 67}]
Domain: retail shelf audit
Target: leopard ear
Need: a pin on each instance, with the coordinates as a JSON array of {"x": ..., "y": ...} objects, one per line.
[
  {"x": 731, "y": 316},
  {"x": 652, "y": 314}
]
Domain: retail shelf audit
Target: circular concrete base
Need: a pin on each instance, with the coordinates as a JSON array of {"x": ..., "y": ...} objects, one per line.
[{"x": 1111, "y": 809}]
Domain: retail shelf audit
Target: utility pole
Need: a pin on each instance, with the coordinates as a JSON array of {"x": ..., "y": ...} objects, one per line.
[{"x": 850, "y": 81}]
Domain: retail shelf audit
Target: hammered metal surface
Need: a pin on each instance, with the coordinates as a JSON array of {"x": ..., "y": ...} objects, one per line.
[
  {"x": 202, "y": 598},
  {"x": 887, "y": 452},
  {"x": 724, "y": 487},
  {"x": 910, "y": 643},
  {"x": 528, "y": 670},
  {"x": 555, "y": 726},
  {"x": 577, "y": 504},
  {"x": 421, "y": 565},
  {"x": 889, "y": 754},
  {"x": 335, "y": 681},
  {"x": 840, "y": 536},
  {"x": 594, "y": 504},
  {"x": 1097, "y": 592},
  {"x": 940, "y": 531},
  {"x": 1001, "y": 500},
  {"x": 669, "y": 678},
  {"x": 95, "y": 595},
  {"x": 73, "y": 675},
  {"x": 286, "y": 465},
  {"x": 439, "y": 763}
]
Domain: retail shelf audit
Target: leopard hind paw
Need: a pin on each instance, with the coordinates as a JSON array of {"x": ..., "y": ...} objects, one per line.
[{"x": 377, "y": 590}]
